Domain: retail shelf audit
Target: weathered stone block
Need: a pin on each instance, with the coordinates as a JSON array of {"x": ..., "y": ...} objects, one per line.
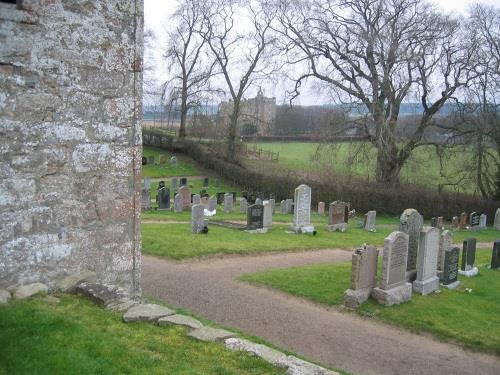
[
  {"x": 179, "y": 319},
  {"x": 69, "y": 283},
  {"x": 146, "y": 312},
  {"x": 211, "y": 334},
  {"x": 26, "y": 291},
  {"x": 5, "y": 296}
]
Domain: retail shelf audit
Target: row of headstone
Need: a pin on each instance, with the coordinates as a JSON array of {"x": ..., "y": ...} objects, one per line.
[
  {"x": 162, "y": 159},
  {"x": 474, "y": 221}
]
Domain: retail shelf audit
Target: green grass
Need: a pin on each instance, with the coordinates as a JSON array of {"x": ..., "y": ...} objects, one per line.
[
  {"x": 471, "y": 319},
  {"x": 77, "y": 337},
  {"x": 184, "y": 168}
]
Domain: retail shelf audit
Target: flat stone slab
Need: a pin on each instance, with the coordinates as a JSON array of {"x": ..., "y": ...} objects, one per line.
[
  {"x": 469, "y": 273},
  {"x": 354, "y": 298},
  {"x": 426, "y": 287},
  {"x": 182, "y": 320},
  {"x": 298, "y": 366},
  {"x": 121, "y": 305},
  {"x": 101, "y": 294},
  {"x": 69, "y": 283},
  {"x": 5, "y": 296},
  {"x": 393, "y": 296},
  {"x": 26, "y": 291},
  {"x": 146, "y": 312},
  {"x": 211, "y": 334}
]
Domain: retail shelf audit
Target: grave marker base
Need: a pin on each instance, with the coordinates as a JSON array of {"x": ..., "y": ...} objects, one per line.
[
  {"x": 452, "y": 285},
  {"x": 393, "y": 296},
  {"x": 469, "y": 273},
  {"x": 425, "y": 287},
  {"x": 337, "y": 227},
  {"x": 253, "y": 231},
  {"x": 354, "y": 298},
  {"x": 303, "y": 229}
]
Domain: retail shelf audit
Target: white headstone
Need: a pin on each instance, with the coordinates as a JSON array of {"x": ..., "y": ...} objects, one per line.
[
  {"x": 228, "y": 202},
  {"x": 302, "y": 210},
  {"x": 496, "y": 224},
  {"x": 427, "y": 280},
  {"x": 178, "y": 203},
  {"x": 268, "y": 214}
]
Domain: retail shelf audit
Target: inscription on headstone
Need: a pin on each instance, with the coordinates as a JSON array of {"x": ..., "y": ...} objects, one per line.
[
  {"x": 427, "y": 281},
  {"x": 474, "y": 220},
  {"x": 449, "y": 276},
  {"x": 302, "y": 210},
  {"x": 255, "y": 217},
  {"x": 411, "y": 223}
]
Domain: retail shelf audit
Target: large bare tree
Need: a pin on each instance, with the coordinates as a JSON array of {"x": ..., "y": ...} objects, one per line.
[{"x": 379, "y": 53}]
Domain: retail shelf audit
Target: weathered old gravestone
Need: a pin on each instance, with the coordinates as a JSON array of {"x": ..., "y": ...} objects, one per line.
[
  {"x": 196, "y": 199},
  {"x": 243, "y": 205},
  {"x": 283, "y": 207},
  {"x": 268, "y": 214},
  {"x": 163, "y": 159},
  {"x": 455, "y": 222},
  {"x": 482, "y": 221},
  {"x": 183, "y": 181},
  {"x": 496, "y": 223},
  {"x": 321, "y": 208},
  {"x": 434, "y": 222},
  {"x": 255, "y": 217},
  {"x": 369, "y": 223},
  {"x": 394, "y": 289},
  {"x": 173, "y": 161},
  {"x": 474, "y": 221},
  {"x": 337, "y": 216},
  {"x": 205, "y": 182},
  {"x": 220, "y": 197},
  {"x": 212, "y": 204},
  {"x": 411, "y": 223},
  {"x": 463, "y": 220},
  {"x": 445, "y": 243},
  {"x": 177, "y": 203},
  {"x": 151, "y": 160},
  {"x": 363, "y": 273},
  {"x": 258, "y": 201},
  {"x": 449, "y": 275},
  {"x": 197, "y": 218},
  {"x": 289, "y": 206},
  {"x": 440, "y": 222},
  {"x": 427, "y": 281},
  {"x": 302, "y": 210},
  {"x": 163, "y": 196},
  {"x": 495, "y": 255},
  {"x": 147, "y": 183},
  {"x": 173, "y": 183},
  {"x": 145, "y": 200},
  {"x": 185, "y": 193},
  {"x": 467, "y": 267},
  {"x": 273, "y": 204},
  {"x": 228, "y": 202}
]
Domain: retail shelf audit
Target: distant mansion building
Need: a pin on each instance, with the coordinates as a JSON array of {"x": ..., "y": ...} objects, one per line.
[{"x": 259, "y": 112}]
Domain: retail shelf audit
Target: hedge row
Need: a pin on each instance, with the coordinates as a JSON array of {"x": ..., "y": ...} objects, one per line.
[{"x": 362, "y": 196}]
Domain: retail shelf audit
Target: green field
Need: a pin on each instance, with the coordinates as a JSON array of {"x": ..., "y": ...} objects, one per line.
[
  {"x": 359, "y": 159},
  {"x": 77, "y": 337},
  {"x": 184, "y": 167},
  {"x": 470, "y": 318}
]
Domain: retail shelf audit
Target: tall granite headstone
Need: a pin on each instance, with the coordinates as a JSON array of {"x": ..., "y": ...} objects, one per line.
[
  {"x": 467, "y": 267},
  {"x": 163, "y": 197},
  {"x": 177, "y": 203},
  {"x": 449, "y": 275},
  {"x": 268, "y": 214},
  {"x": 363, "y": 276},
  {"x": 370, "y": 218},
  {"x": 255, "y": 217},
  {"x": 427, "y": 281},
  {"x": 411, "y": 223},
  {"x": 337, "y": 216},
  {"x": 197, "y": 218},
  {"x": 302, "y": 210},
  {"x": 228, "y": 202},
  {"x": 495, "y": 255}
]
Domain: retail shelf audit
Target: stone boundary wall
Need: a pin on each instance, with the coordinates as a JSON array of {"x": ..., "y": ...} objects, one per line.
[{"x": 70, "y": 156}]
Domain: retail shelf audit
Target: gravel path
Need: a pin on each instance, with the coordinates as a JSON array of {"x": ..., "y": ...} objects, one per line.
[{"x": 208, "y": 288}]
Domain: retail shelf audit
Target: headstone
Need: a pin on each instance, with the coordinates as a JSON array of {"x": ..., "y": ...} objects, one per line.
[
  {"x": 445, "y": 244},
  {"x": 495, "y": 255},
  {"x": 144, "y": 160},
  {"x": 289, "y": 206},
  {"x": 173, "y": 183},
  {"x": 474, "y": 219},
  {"x": 440, "y": 222},
  {"x": 147, "y": 183},
  {"x": 173, "y": 161},
  {"x": 268, "y": 214},
  {"x": 302, "y": 210},
  {"x": 243, "y": 205},
  {"x": 183, "y": 181},
  {"x": 145, "y": 200},
  {"x": 205, "y": 182},
  {"x": 449, "y": 275},
  {"x": 212, "y": 204},
  {"x": 369, "y": 223},
  {"x": 482, "y": 221},
  {"x": 496, "y": 223},
  {"x": 434, "y": 222},
  {"x": 337, "y": 216},
  {"x": 463, "y": 220},
  {"x": 255, "y": 217},
  {"x": 197, "y": 218},
  {"x": 245, "y": 194},
  {"x": 455, "y": 222},
  {"x": 467, "y": 267},
  {"x": 185, "y": 193},
  {"x": 196, "y": 199},
  {"x": 363, "y": 276},
  {"x": 321, "y": 208},
  {"x": 177, "y": 203},
  {"x": 163, "y": 159},
  {"x": 394, "y": 289},
  {"x": 347, "y": 212},
  {"x": 233, "y": 193},
  {"x": 258, "y": 201},
  {"x": 228, "y": 202},
  {"x": 427, "y": 281},
  {"x": 283, "y": 207},
  {"x": 151, "y": 160},
  {"x": 273, "y": 205},
  {"x": 220, "y": 197},
  {"x": 411, "y": 223},
  {"x": 163, "y": 196}
]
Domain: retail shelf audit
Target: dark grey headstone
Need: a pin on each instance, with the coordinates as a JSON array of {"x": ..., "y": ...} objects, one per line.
[
  {"x": 255, "y": 217},
  {"x": 468, "y": 254},
  {"x": 434, "y": 222},
  {"x": 495, "y": 255},
  {"x": 163, "y": 198},
  {"x": 183, "y": 181},
  {"x": 220, "y": 197},
  {"x": 450, "y": 269},
  {"x": 205, "y": 182}
]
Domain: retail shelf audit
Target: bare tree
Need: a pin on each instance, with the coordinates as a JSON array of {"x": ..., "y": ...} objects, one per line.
[
  {"x": 188, "y": 63},
  {"x": 240, "y": 58},
  {"x": 379, "y": 53}
]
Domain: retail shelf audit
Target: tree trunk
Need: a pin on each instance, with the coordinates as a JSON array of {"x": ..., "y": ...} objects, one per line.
[
  {"x": 388, "y": 166},
  {"x": 231, "y": 135},
  {"x": 184, "y": 110}
]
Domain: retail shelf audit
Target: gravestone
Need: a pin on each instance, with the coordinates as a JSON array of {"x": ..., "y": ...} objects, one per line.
[
  {"x": 243, "y": 205},
  {"x": 151, "y": 160},
  {"x": 289, "y": 206},
  {"x": 495, "y": 255},
  {"x": 283, "y": 207},
  {"x": 445, "y": 244},
  {"x": 196, "y": 199},
  {"x": 302, "y": 210},
  {"x": 449, "y": 275},
  {"x": 197, "y": 218},
  {"x": 233, "y": 193},
  {"x": 245, "y": 194},
  {"x": 321, "y": 208},
  {"x": 411, "y": 223},
  {"x": 369, "y": 223},
  {"x": 212, "y": 204},
  {"x": 363, "y": 276},
  {"x": 268, "y": 214},
  {"x": 173, "y": 183},
  {"x": 220, "y": 197},
  {"x": 185, "y": 193},
  {"x": 427, "y": 281},
  {"x": 163, "y": 196},
  {"x": 205, "y": 182},
  {"x": 183, "y": 181},
  {"x": 347, "y": 212},
  {"x": 228, "y": 202},
  {"x": 337, "y": 216},
  {"x": 163, "y": 159},
  {"x": 147, "y": 183},
  {"x": 434, "y": 222},
  {"x": 145, "y": 200},
  {"x": 173, "y": 161},
  {"x": 482, "y": 221},
  {"x": 467, "y": 267},
  {"x": 258, "y": 201},
  {"x": 440, "y": 222},
  {"x": 255, "y": 217},
  {"x": 273, "y": 204},
  {"x": 144, "y": 160},
  {"x": 177, "y": 203},
  {"x": 463, "y": 220},
  {"x": 394, "y": 289},
  {"x": 455, "y": 222},
  {"x": 474, "y": 219},
  {"x": 496, "y": 223}
]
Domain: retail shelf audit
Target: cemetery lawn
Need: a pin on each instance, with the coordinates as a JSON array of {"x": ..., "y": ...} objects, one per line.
[
  {"x": 177, "y": 242},
  {"x": 184, "y": 167},
  {"x": 470, "y": 319},
  {"x": 77, "y": 337}
]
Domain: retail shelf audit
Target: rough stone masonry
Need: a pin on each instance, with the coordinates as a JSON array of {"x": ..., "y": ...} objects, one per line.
[{"x": 70, "y": 155}]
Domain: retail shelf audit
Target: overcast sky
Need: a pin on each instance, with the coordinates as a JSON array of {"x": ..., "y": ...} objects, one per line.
[{"x": 158, "y": 12}]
